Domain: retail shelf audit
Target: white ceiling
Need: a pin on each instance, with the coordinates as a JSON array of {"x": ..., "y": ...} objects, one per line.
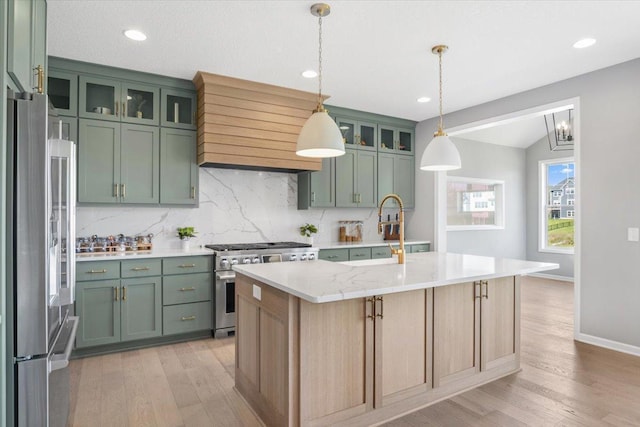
[{"x": 377, "y": 54}]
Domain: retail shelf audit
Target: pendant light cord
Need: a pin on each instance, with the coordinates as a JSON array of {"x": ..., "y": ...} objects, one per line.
[
  {"x": 320, "y": 63},
  {"x": 440, "y": 127}
]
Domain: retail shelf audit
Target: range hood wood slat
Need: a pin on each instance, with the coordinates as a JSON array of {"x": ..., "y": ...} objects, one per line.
[{"x": 251, "y": 125}]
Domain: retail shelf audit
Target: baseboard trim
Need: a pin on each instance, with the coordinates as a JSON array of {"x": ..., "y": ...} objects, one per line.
[
  {"x": 610, "y": 344},
  {"x": 552, "y": 277}
]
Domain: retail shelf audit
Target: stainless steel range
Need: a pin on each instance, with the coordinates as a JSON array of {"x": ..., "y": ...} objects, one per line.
[{"x": 228, "y": 255}]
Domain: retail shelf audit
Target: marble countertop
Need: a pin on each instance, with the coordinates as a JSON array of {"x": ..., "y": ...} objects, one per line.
[
  {"x": 155, "y": 253},
  {"x": 324, "y": 281},
  {"x": 342, "y": 245}
]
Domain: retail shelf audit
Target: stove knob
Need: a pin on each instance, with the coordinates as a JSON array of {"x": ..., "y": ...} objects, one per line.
[
  {"x": 303, "y": 257},
  {"x": 255, "y": 260},
  {"x": 246, "y": 260},
  {"x": 312, "y": 257},
  {"x": 234, "y": 261},
  {"x": 293, "y": 257},
  {"x": 224, "y": 263}
]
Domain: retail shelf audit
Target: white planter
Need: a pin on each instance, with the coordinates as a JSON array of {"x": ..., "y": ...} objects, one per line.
[
  {"x": 186, "y": 244},
  {"x": 310, "y": 240}
]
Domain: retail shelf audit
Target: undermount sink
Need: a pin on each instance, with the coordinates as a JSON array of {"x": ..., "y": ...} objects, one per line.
[{"x": 368, "y": 262}]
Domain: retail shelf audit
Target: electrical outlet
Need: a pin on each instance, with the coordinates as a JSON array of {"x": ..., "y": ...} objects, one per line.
[
  {"x": 633, "y": 234},
  {"x": 257, "y": 292}
]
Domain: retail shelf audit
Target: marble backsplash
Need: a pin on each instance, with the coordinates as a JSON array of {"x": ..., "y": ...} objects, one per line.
[{"x": 236, "y": 206}]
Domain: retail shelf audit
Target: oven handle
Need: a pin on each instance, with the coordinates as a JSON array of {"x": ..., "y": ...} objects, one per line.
[{"x": 228, "y": 276}]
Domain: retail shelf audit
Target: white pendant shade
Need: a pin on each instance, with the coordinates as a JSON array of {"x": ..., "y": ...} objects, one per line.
[
  {"x": 440, "y": 155},
  {"x": 320, "y": 137}
]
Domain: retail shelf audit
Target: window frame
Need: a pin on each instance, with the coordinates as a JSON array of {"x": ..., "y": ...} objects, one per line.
[
  {"x": 542, "y": 205},
  {"x": 499, "y": 204}
]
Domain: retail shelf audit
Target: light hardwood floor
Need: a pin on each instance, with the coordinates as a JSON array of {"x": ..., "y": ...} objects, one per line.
[{"x": 562, "y": 382}]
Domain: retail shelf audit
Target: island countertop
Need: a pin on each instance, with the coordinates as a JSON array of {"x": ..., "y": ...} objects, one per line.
[{"x": 324, "y": 281}]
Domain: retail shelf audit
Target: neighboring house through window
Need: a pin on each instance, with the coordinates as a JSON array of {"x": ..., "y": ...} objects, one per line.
[{"x": 557, "y": 191}]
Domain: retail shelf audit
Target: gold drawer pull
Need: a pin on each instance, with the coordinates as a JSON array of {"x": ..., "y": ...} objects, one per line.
[
  {"x": 187, "y": 265},
  {"x": 187, "y": 289},
  {"x": 124, "y": 293},
  {"x": 115, "y": 292},
  {"x": 332, "y": 256},
  {"x": 97, "y": 271},
  {"x": 188, "y": 318},
  {"x": 140, "y": 269}
]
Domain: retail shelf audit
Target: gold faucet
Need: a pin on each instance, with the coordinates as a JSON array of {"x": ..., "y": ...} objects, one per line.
[{"x": 400, "y": 251}]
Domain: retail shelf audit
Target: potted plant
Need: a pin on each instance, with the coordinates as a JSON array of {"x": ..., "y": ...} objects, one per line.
[
  {"x": 186, "y": 233},
  {"x": 308, "y": 230}
]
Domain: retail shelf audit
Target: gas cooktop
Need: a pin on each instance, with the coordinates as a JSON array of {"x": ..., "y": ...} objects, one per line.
[{"x": 256, "y": 246}]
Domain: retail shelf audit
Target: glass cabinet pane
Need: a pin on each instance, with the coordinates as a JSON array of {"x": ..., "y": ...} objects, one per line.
[
  {"x": 100, "y": 99},
  {"x": 62, "y": 89},
  {"x": 140, "y": 104},
  {"x": 405, "y": 141},
  {"x": 348, "y": 130},
  {"x": 179, "y": 109},
  {"x": 386, "y": 138},
  {"x": 367, "y": 135}
]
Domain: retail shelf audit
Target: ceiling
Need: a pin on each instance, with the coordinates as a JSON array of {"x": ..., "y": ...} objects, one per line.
[{"x": 376, "y": 54}]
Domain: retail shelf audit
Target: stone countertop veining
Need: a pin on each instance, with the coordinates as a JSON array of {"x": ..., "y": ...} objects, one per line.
[
  {"x": 343, "y": 245},
  {"x": 155, "y": 253},
  {"x": 324, "y": 281}
]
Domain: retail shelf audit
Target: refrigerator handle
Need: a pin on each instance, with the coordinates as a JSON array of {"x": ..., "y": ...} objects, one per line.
[{"x": 61, "y": 361}]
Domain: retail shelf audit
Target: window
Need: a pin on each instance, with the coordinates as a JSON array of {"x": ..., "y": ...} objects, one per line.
[
  {"x": 557, "y": 201},
  {"x": 474, "y": 204}
]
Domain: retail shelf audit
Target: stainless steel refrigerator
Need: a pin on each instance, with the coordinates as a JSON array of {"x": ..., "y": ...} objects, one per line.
[{"x": 41, "y": 267}]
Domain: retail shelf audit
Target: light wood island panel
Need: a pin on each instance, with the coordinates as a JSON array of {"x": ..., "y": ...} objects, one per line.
[{"x": 363, "y": 360}]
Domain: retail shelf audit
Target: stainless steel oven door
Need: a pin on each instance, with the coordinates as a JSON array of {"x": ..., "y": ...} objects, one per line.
[{"x": 225, "y": 303}]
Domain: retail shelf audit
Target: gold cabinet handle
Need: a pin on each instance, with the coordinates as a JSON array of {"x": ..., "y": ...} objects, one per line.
[
  {"x": 187, "y": 265},
  {"x": 124, "y": 109},
  {"x": 187, "y": 289},
  {"x": 313, "y": 196},
  {"x": 332, "y": 256},
  {"x": 39, "y": 71},
  {"x": 116, "y": 107},
  {"x": 188, "y": 318},
  {"x": 115, "y": 293},
  {"x": 124, "y": 190},
  {"x": 115, "y": 190},
  {"x": 372, "y": 316},
  {"x": 193, "y": 192},
  {"x": 476, "y": 290},
  {"x": 124, "y": 293},
  {"x": 97, "y": 271},
  {"x": 381, "y": 314},
  {"x": 140, "y": 269},
  {"x": 486, "y": 289}
]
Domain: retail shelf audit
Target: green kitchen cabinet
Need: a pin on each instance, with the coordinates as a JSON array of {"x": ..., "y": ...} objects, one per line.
[
  {"x": 113, "y": 100},
  {"x": 98, "y": 306},
  {"x": 396, "y": 174},
  {"x": 62, "y": 89},
  {"x": 178, "y": 109},
  {"x": 26, "y": 42},
  {"x": 358, "y": 134},
  {"x": 356, "y": 179},
  {"x": 317, "y": 189},
  {"x": 419, "y": 248},
  {"x": 118, "y": 163},
  {"x": 141, "y": 308},
  {"x": 395, "y": 139},
  {"x": 335, "y": 255},
  {"x": 179, "y": 167},
  {"x": 381, "y": 252},
  {"x": 358, "y": 254}
]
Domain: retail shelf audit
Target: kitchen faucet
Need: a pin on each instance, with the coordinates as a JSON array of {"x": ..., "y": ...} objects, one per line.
[{"x": 400, "y": 222}]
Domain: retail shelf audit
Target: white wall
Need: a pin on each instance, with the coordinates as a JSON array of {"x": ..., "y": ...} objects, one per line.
[
  {"x": 236, "y": 206},
  {"x": 490, "y": 161},
  {"x": 609, "y": 152},
  {"x": 536, "y": 152}
]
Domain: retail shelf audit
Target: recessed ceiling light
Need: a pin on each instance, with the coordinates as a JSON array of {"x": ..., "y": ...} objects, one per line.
[
  {"x": 584, "y": 43},
  {"x": 309, "y": 74},
  {"x": 135, "y": 35},
  {"x": 424, "y": 99}
]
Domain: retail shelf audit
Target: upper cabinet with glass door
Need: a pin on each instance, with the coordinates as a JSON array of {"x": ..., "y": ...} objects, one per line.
[
  {"x": 62, "y": 89},
  {"x": 396, "y": 140},
  {"x": 358, "y": 134},
  {"x": 106, "y": 99},
  {"x": 178, "y": 109}
]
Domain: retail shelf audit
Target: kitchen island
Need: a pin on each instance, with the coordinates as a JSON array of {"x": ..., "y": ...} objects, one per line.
[{"x": 359, "y": 343}]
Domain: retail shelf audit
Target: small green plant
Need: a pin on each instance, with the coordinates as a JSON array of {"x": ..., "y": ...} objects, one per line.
[
  {"x": 186, "y": 232},
  {"x": 308, "y": 229}
]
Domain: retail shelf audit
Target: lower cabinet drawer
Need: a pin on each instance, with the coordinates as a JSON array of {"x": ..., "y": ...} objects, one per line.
[
  {"x": 141, "y": 267},
  {"x": 97, "y": 270},
  {"x": 187, "y": 288},
  {"x": 334, "y": 254},
  {"x": 423, "y": 247},
  {"x": 357, "y": 254},
  {"x": 187, "y": 264},
  {"x": 182, "y": 318},
  {"x": 380, "y": 252}
]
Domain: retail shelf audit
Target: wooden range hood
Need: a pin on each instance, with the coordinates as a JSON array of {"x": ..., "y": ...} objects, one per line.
[{"x": 249, "y": 125}]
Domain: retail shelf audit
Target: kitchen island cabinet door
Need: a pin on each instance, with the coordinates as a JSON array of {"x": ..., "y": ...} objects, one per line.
[
  {"x": 139, "y": 164},
  {"x": 98, "y": 305},
  {"x": 98, "y": 162},
  {"x": 178, "y": 167},
  {"x": 141, "y": 308}
]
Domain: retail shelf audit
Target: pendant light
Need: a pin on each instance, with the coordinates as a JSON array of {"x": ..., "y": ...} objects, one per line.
[
  {"x": 441, "y": 154},
  {"x": 320, "y": 136}
]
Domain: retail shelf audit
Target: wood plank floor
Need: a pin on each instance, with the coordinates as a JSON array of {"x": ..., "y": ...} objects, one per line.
[{"x": 562, "y": 383}]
